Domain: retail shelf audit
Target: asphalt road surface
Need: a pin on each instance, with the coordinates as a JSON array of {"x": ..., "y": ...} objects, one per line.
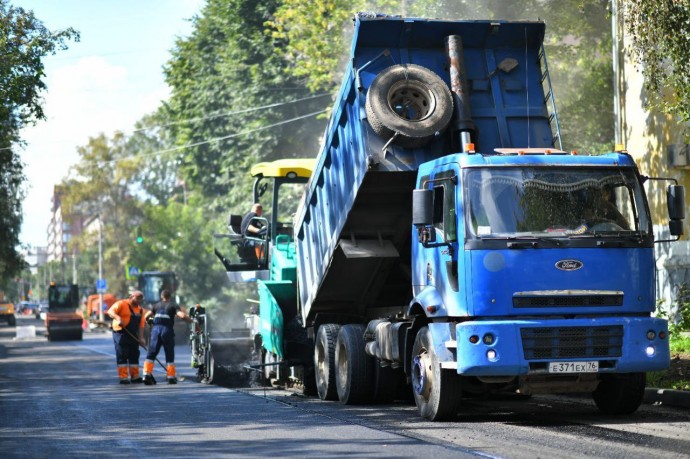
[{"x": 62, "y": 399}]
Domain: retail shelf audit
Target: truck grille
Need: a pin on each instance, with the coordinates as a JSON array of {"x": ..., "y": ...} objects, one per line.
[
  {"x": 547, "y": 301},
  {"x": 572, "y": 342}
]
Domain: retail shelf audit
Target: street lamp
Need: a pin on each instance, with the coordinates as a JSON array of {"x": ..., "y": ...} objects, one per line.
[{"x": 100, "y": 267}]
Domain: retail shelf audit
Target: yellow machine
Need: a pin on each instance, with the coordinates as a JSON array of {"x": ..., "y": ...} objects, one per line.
[
  {"x": 62, "y": 320},
  {"x": 7, "y": 311}
]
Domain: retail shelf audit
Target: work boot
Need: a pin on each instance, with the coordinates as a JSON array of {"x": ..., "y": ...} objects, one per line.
[
  {"x": 137, "y": 380},
  {"x": 172, "y": 380},
  {"x": 124, "y": 381},
  {"x": 149, "y": 380}
]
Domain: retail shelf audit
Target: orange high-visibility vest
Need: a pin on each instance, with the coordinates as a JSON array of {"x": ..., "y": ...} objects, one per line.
[{"x": 121, "y": 308}]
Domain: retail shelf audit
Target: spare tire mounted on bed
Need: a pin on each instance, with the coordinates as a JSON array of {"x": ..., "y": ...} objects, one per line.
[{"x": 410, "y": 101}]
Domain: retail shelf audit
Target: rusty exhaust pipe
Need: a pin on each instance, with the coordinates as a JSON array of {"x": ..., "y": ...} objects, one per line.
[{"x": 463, "y": 130}]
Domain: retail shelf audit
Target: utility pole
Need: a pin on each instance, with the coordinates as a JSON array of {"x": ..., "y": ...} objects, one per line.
[
  {"x": 74, "y": 267},
  {"x": 100, "y": 266}
]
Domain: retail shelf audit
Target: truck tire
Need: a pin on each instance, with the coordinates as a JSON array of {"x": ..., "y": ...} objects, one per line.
[
  {"x": 410, "y": 101},
  {"x": 209, "y": 368},
  {"x": 355, "y": 369},
  {"x": 620, "y": 393},
  {"x": 269, "y": 372},
  {"x": 11, "y": 321},
  {"x": 437, "y": 392},
  {"x": 324, "y": 361}
]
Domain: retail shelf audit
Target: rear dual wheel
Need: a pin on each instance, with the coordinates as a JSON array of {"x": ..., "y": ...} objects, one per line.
[
  {"x": 324, "y": 361},
  {"x": 355, "y": 369}
]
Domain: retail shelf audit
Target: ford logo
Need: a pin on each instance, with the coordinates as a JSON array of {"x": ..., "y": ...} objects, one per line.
[{"x": 569, "y": 265}]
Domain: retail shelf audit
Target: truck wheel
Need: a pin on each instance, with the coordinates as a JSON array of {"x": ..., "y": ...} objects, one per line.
[
  {"x": 209, "y": 368},
  {"x": 409, "y": 100},
  {"x": 620, "y": 393},
  {"x": 11, "y": 321},
  {"x": 324, "y": 361},
  {"x": 354, "y": 367},
  {"x": 270, "y": 372},
  {"x": 437, "y": 392}
]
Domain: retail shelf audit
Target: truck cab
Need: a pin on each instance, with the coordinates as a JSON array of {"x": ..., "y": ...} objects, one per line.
[{"x": 536, "y": 271}]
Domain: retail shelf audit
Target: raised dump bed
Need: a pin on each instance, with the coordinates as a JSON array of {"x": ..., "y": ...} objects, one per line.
[{"x": 393, "y": 112}]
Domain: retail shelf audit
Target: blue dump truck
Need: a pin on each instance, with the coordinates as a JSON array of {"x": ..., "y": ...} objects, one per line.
[{"x": 447, "y": 246}]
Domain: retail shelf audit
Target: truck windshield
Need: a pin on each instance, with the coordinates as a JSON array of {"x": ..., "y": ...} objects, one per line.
[{"x": 554, "y": 202}]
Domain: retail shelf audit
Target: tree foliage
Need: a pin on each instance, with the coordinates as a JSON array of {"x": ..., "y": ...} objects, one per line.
[
  {"x": 101, "y": 185},
  {"x": 158, "y": 174},
  {"x": 660, "y": 33},
  {"x": 24, "y": 41},
  {"x": 177, "y": 238},
  {"x": 231, "y": 94},
  {"x": 11, "y": 195}
]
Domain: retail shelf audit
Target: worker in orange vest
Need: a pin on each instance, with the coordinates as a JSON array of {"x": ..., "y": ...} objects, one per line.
[{"x": 128, "y": 335}]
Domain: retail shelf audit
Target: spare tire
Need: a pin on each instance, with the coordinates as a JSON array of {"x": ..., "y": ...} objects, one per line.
[{"x": 409, "y": 100}]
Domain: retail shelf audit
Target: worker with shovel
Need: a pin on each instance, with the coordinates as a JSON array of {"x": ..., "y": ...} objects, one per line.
[
  {"x": 128, "y": 335},
  {"x": 163, "y": 316}
]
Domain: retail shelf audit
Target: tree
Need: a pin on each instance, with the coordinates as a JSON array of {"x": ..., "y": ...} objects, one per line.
[
  {"x": 11, "y": 195},
  {"x": 230, "y": 93},
  {"x": 158, "y": 175},
  {"x": 661, "y": 50},
  {"x": 24, "y": 41},
  {"x": 102, "y": 184},
  {"x": 177, "y": 238}
]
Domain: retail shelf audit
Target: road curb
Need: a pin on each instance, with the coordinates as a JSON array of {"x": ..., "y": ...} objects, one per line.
[{"x": 670, "y": 397}]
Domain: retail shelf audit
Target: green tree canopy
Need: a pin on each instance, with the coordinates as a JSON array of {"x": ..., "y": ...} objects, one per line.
[
  {"x": 660, "y": 33},
  {"x": 235, "y": 103},
  {"x": 102, "y": 185},
  {"x": 177, "y": 238},
  {"x": 24, "y": 42}
]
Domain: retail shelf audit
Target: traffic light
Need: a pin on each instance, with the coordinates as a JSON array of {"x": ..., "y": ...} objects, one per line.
[{"x": 140, "y": 238}]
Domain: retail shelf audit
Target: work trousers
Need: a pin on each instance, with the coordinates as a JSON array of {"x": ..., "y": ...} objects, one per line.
[
  {"x": 161, "y": 336},
  {"x": 126, "y": 355}
]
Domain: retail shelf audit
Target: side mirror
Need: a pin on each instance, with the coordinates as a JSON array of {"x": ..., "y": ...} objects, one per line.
[
  {"x": 422, "y": 207},
  {"x": 675, "y": 200}
]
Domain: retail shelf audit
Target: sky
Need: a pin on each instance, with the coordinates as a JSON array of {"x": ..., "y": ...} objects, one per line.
[{"x": 104, "y": 83}]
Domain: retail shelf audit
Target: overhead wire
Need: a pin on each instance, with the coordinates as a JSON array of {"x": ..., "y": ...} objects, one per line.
[
  {"x": 237, "y": 112},
  {"x": 217, "y": 139},
  {"x": 217, "y": 115}
]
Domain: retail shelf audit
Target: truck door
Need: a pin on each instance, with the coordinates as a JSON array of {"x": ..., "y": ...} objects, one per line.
[{"x": 445, "y": 224}]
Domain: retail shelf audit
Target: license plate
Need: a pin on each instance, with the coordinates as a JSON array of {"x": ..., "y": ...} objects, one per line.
[{"x": 574, "y": 367}]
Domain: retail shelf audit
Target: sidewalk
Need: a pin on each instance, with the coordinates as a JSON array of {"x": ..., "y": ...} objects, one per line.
[{"x": 669, "y": 397}]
